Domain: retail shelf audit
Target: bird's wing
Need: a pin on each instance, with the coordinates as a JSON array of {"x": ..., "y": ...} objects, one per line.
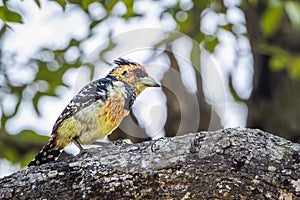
[{"x": 94, "y": 91}]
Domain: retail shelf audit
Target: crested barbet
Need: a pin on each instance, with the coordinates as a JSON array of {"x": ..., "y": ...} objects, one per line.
[{"x": 97, "y": 109}]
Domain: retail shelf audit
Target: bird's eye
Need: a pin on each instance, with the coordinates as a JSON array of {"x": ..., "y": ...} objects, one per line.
[
  {"x": 124, "y": 73},
  {"x": 139, "y": 73}
]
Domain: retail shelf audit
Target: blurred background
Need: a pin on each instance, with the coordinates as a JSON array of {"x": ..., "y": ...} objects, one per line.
[{"x": 221, "y": 64}]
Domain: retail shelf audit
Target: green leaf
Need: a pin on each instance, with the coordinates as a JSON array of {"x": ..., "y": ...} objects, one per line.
[
  {"x": 35, "y": 102},
  {"x": 4, "y": 2},
  {"x": 7, "y": 15},
  {"x": 195, "y": 56},
  {"x": 227, "y": 27},
  {"x": 130, "y": 11},
  {"x": 74, "y": 42},
  {"x": 294, "y": 68},
  {"x": 19, "y": 148},
  {"x": 4, "y": 120},
  {"x": 271, "y": 19},
  {"x": 109, "y": 4},
  {"x": 210, "y": 43},
  {"x": 38, "y": 3},
  {"x": 271, "y": 50},
  {"x": 202, "y": 4},
  {"x": 279, "y": 62},
  {"x": 28, "y": 137},
  {"x": 293, "y": 12},
  {"x": 27, "y": 157},
  {"x": 96, "y": 22},
  {"x": 85, "y": 4},
  {"x": 129, "y": 15},
  {"x": 62, "y": 3},
  {"x": 77, "y": 2}
]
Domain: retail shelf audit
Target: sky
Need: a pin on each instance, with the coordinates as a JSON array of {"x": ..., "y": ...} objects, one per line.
[{"x": 25, "y": 39}]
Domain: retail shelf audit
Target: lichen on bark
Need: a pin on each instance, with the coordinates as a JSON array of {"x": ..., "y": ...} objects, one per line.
[{"x": 230, "y": 163}]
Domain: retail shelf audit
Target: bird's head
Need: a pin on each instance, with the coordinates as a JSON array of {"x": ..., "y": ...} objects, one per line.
[{"x": 133, "y": 74}]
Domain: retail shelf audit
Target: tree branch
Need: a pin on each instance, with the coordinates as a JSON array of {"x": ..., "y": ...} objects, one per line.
[{"x": 229, "y": 164}]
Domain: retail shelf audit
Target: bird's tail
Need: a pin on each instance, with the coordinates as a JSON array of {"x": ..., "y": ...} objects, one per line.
[{"x": 48, "y": 153}]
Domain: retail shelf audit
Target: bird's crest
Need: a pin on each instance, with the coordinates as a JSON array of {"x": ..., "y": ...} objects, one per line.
[
  {"x": 122, "y": 61},
  {"x": 127, "y": 65}
]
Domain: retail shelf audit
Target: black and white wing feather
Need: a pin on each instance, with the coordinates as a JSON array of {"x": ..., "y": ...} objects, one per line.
[{"x": 94, "y": 91}]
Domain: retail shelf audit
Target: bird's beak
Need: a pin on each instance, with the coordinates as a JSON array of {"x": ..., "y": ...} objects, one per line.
[{"x": 149, "y": 82}]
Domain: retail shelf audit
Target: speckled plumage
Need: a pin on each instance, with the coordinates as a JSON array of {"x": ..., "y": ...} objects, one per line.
[{"x": 97, "y": 109}]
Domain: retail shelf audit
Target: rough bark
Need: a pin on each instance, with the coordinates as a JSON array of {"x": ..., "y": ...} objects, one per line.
[{"x": 227, "y": 164}]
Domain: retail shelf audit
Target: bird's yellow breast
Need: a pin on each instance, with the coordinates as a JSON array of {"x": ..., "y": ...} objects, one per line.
[
  {"x": 94, "y": 122},
  {"x": 111, "y": 115}
]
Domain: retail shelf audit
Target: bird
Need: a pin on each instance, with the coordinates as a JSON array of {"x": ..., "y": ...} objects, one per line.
[{"x": 97, "y": 109}]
